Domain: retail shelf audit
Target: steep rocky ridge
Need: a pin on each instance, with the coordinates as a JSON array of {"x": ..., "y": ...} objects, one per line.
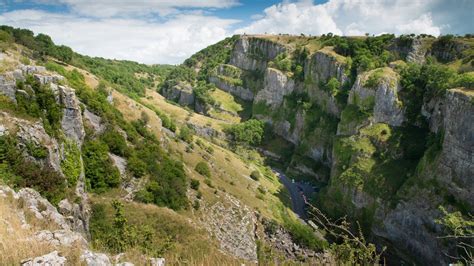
[{"x": 351, "y": 125}]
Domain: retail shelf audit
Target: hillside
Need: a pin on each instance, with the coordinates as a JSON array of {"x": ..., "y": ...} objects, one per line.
[
  {"x": 109, "y": 161},
  {"x": 383, "y": 125},
  {"x": 120, "y": 170}
]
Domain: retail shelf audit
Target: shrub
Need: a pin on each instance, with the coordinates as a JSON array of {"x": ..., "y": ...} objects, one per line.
[
  {"x": 195, "y": 184},
  {"x": 249, "y": 132},
  {"x": 26, "y": 173},
  {"x": 185, "y": 134},
  {"x": 203, "y": 169},
  {"x": 136, "y": 166},
  {"x": 255, "y": 175},
  {"x": 115, "y": 142},
  {"x": 37, "y": 151},
  {"x": 71, "y": 164},
  {"x": 101, "y": 174}
]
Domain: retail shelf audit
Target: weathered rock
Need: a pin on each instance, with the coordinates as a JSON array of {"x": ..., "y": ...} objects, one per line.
[
  {"x": 233, "y": 224},
  {"x": 40, "y": 207},
  {"x": 63, "y": 238},
  {"x": 29, "y": 70},
  {"x": 456, "y": 162},
  {"x": 157, "y": 262},
  {"x": 94, "y": 121},
  {"x": 120, "y": 163},
  {"x": 252, "y": 53},
  {"x": 319, "y": 69},
  {"x": 181, "y": 93},
  {"x": 206, "y": 131},
  {"x": 231, "y": 81},
  {"x": 50, "y": 259},
  {"x": 71, "y": 122},
  {"x": 382, "y": 100},
  {"x": 95, "y": 259},
  {"x": 45, "y": 79},
  {"x": 277, "y": 85}
]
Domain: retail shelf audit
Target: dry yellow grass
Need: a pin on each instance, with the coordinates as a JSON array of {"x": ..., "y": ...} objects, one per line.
[
  {"x": 132, "y": 110},
  {"x": 17, "y": 242},
  {"x": 179, "y": 114}
]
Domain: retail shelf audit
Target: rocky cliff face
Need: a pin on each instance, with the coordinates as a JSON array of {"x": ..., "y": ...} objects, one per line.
[
  {"x": 456, "y": 163},
  {"x": 276, "y": 86},
  {"x": 369, "y": 138},
  {"x": 28, "y": 132},
  {"x": 252, "y": 53},
  {"x": 229, "y": 78},
  {"x": 382, "y": 99},
  {"x": 181, "y": 93}
]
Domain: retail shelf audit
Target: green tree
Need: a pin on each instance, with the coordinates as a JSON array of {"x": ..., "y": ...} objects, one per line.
[
  {"x": 100, "y": 172},
  {"x": 249, "y": 132}
]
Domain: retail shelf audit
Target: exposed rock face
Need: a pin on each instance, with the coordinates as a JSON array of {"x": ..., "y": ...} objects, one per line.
[
  {"x": 417, "y": 52},
  {"x": 120, "y": 163},
  {"x": 456, "y": 163},
  {"x": 277, "y": 85},
  {"x": 411, "y": 227},
  {"x": 72, "y": 118},
  {"x": 65, "y": 238},
  {"x": 94, "y": 121},
  {"x": 289, "y": 133},
  {"x": 205, "y": 131},
  {"x": 45, "y": 79},
  {"x": 28, "y": 132},
  {"x": 447, "y": 51},
  {"x": 95, "y": 259},
  {"x": 281, "y": 239},
  {"x": 324, "y": 65},
  {"x": 50, "y": 259},
  {"x": 319, "y": 69},
  {"x": 252, "y": 53},
  {"x": 221, "y": 81},
  {"x": 383, "y": 99},
  {"x": 233, "y": 224},
  {"x": 181, "y": 93},
  {"x": 8, "y": 85}
]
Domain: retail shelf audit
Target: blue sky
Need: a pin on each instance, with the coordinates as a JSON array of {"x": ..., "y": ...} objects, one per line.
[{"x": 169, "y": 31}]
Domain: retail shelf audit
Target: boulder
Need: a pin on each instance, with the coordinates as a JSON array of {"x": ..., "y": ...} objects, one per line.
[
  {"x": 95, "y": 259},
  {"x": 50, "y": 259}
]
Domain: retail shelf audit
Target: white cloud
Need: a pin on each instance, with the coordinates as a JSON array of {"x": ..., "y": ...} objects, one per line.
[
  {"x": 112, "y": 8},
  {"x": 423, "y": 24},
  {"x": 132, "y": 39},
  {"x": 293, "y": 18},
  {"x": 357, "y": 17}
]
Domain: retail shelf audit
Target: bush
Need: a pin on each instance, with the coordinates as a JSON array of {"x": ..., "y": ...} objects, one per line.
[
  {"x": 71, "y": 164},
  {"x": 115, "y": 141},
  {"x": 195, "y": 184},
  {"x": 101, "y": 174},
  {"x": 249, "y": 132},
  {"x": 26, "y": 173},
  {"x": 203, "y": 169},
  {"x": 136, "y": 166},
  {"x": 185, "y": 134},
  {"x": 255, "y": 175}
]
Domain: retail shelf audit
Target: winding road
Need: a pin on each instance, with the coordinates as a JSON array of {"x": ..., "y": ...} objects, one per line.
[{"x": 299, "y": 191}]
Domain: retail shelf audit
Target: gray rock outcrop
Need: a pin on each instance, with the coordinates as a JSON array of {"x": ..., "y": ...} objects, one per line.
[
  {"x": 276, "y": 86},
  {"x": 382, "y": 100},
  {"x": 181, "y": 93},
  {"x": 252, "y": 53},
  {"x": 50, "y": 259}
]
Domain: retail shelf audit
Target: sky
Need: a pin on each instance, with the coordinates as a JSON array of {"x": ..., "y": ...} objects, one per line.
[{"x": 169, "y": 31}]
